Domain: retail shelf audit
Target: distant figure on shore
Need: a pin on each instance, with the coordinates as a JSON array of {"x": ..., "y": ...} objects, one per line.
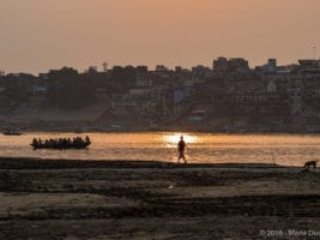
[{"x": 181, "y": 148}]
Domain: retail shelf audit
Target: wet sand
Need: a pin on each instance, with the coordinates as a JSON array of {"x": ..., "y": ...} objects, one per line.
[{"x": 59, "y": 199}]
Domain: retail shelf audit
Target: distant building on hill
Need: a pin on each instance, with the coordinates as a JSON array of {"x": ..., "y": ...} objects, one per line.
[
  {"x": 233, "y": 66},
  {"x": 270, "y": 67}
]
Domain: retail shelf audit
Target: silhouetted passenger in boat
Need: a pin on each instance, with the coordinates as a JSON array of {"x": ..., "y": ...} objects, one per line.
[{"x": 61, "y": 143}]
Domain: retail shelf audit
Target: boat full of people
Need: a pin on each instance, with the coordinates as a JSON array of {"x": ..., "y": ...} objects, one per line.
[
  {"x": 61, "y": 143},
  {"x": 12, "y": 132}
]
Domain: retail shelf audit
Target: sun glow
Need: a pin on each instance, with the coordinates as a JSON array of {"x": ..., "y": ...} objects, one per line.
[{"x": 173, "y": 139}]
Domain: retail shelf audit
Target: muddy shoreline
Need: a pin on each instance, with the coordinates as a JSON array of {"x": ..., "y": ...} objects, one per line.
[{"x": 71, "y": 199}]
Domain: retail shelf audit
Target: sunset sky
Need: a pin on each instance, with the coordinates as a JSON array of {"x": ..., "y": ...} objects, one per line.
[{"x": 38, "y": 35}]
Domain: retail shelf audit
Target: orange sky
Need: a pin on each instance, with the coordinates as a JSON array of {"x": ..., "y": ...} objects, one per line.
[{"x": 38, "y": 35}]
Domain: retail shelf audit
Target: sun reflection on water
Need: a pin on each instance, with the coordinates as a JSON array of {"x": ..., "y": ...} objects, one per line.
[{"x": 172, "y": 139}]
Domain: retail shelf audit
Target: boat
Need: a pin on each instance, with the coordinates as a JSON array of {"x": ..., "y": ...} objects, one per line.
[
  {"x": 11, "y": 132},
  {"x": 61, "y": 143}
]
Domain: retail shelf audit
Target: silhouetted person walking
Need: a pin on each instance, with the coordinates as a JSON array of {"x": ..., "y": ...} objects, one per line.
[{"x": 181, "y": 148}]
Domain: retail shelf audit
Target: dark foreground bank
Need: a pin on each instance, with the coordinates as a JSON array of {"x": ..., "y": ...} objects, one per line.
[{"x": 59, "y": 199}]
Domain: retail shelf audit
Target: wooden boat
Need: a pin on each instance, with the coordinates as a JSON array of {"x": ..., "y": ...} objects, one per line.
[
  {"x": 12, "y": 133},
  {"x": 61, "y": 144}
]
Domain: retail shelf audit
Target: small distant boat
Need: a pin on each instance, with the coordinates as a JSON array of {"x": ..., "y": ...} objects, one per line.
[
  {"x": 113, "y": 126},
  {"x": 61, "y": 144},
  {"x": 12, "y": 133}
]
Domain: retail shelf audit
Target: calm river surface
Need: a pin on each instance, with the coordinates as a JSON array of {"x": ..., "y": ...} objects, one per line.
[{"x": 291, "y": 150}]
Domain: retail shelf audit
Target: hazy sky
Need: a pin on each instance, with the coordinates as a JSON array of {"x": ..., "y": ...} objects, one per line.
[{"x": 38, "y": 35}]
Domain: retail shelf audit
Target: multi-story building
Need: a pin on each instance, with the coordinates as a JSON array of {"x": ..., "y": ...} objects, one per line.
[
  {"x": 220, "y": 66},
  {"x": 269, "y": 68},
  {"x": 235, "y": 67}
]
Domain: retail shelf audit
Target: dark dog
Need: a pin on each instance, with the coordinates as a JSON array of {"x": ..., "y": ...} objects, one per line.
[{"x": 310, "y": 164}]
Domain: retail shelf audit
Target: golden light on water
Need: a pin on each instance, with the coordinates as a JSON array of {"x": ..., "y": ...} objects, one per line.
[{"x": 174, "y": 138}]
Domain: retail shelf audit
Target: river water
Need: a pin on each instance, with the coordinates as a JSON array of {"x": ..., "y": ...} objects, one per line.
[{"x": 289, "y": 150}]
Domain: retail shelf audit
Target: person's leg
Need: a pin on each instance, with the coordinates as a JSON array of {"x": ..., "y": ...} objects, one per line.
[
  {"x": 184, "y": 158},
  {"x": 180, "y": 156}
]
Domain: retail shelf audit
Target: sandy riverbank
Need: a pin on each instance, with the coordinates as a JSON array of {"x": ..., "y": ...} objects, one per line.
[{"x": 55, "y": 199}]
